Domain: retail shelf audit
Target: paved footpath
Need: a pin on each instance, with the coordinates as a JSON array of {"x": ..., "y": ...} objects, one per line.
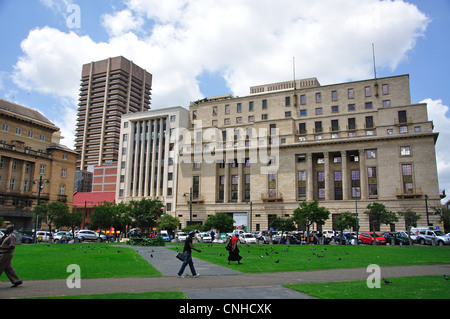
[{"x": 214, "y": 282}]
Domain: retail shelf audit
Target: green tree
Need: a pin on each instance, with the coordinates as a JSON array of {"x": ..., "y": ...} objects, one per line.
[
  {"x": 444, "y": 216},
  {"x": 169, "y": 223},
  {"x": 102, "y": 217},
  {"x": 53, "y": 213},
  {"x": 411, "y": 219},
  {"x": 146, "y": 212},
  {"x": 283, "y": 224},
  {"x": 345, "y": 221},
  {"x": 378, "y": 214},
  {"x": 222, "y": 222},
  {"x": 309, "y": 213},
  {"x": 121, "y": 218}
]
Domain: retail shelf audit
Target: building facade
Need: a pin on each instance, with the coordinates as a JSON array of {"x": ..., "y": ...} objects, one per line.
[
  {"x": 347, "y": 145},
  {"x": 148, "y": 156},
  {"x": 30, "y": 155},
  {"x": 109, "y": 89}
]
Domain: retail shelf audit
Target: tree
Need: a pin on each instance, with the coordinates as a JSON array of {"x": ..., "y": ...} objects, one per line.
[
  {"x": 222, "y": 222},
  {"x": 444, "y": 215},
  {"x": 102, "y": 217},
  {"x": 345, "y": 221},
  {"x": 378, "y": 214},
  {"x": 55, "y": 213},
  {"x": 146, "y": 212},
  {"x": 411, "y": 219},
  {"x": 283, "y": 224},
  {"x": 121, "y": 218},
  {"x": 168, "y": 222},
  {"x": 309, "y": 213}
]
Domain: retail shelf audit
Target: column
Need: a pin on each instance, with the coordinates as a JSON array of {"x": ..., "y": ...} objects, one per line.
[
  {"x": 309, "y": 178},
  {"x": 141, "y": 160},
  {"x": 344, "y": 175},
  {"x": 148, "y": 159},
  {"x": 241, "y": 163},
  {"x": 134, "y": 191},
  {"x": 226, "y": 188},
  {"x": 363, "y": 174},
  {"x": 327, "y": 175}
]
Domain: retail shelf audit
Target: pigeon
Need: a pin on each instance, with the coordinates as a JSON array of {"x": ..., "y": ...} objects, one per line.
[
  {"x": 340, "y": 259},
  {"x": 119, "y": 251},
  {"x": 445, "y": 277},
  {"x": 261, "y": 256},
  {"x": 277, "y": 261},
  {"x": 151, "y": 255},
  {"x": 387, "y": 282}
]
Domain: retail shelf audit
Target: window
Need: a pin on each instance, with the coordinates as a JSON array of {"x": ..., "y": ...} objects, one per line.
[
  {"x": 318, "y": 127},
  {"x": 287, "y": 114},
  {"x": 369, "y": 121},
  {"x": 264, "y": 104},
  {"x": 18, "y": 131},
  {"x": 264, "y": 117},
  {"x": 195, "y": 186},
  {"x": 319, "y": 111},
  {"x": 369, "y": 105},
  {"x": 407, "y": 178},
  {"x": 385, "y": 88},
  {"x": 173, "y": 118},
  {"x": 338, "y": 176},
  {"x": 321, "y": 184},
  {"x": 335, "y": 109},
  {"x": 402, "y": 118},
  {"x": 12, "y": 182},
  {"x": 351, "y": 94},
  {"x": 288, "y": 101},
  {"x": 405, "y": 151},
  {"x": 302, "y": 99},
  {"x": 303, "y": 113},
  {"x": 42, "y": 138},
  {"x": 302, "y": 176},
  {"x": 250, "y": 106},
  {"x": 239, "y": 108},
  {"x": 42, "y": 170},
  {"x": 334, "y": 95},
  {"x": 14, "y": 165},
  {"x": 5, "y": 127},
  {"x": 367, "y": 91},
  {"x": 351, "y": 107},
  {"x": 63, "y": 172},
  {"x": 386, "y": 103},
  {"x": 62, "y": 189},
  {"x": 335, "y": 125},
  {"x": 352, "y": 123},
  {"x": 371, "y": 154},
  {"x": 30, "y": 134},
  {"x": 239, "y": 120},
  {"x": 226, "y": 121},
  {"x": 251, "y": 118},
  {"x": 214, "y": 111},
  {"x": 404, "y": 129},
  {"x": 318, "y": 97},
  {"x": 227, "y": 109}
]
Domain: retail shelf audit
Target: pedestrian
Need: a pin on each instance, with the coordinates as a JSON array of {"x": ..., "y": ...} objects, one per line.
[
  {"x": 212, "y": 235},
  {"x": 7, "y": 247},
  {"x": 187, "y": 251},
  {"x": 233, "y": 254}
]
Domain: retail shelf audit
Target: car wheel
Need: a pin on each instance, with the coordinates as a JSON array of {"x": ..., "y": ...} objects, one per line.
[
  {"x": 441, "y": 243},
  {"x": 422, "y": 241},
  {"x": 99, "y": 240}
]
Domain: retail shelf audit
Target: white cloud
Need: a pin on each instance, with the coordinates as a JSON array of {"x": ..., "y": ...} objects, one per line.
[{"x": 251, "y": 42}]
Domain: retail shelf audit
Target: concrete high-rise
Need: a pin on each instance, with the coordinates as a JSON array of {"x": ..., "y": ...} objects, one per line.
[{"x": 109, "y": 89}]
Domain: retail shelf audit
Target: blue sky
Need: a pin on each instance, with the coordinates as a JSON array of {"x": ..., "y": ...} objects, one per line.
[{"x": 203, "y": 48}]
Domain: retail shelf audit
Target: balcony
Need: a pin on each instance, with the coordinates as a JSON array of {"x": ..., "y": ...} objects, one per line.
[
  {"x": 414, "y": 192},
  {"x": 272, "y": 197}
]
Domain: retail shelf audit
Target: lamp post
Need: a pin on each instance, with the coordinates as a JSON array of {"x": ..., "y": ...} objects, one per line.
[
  {"x": 40, "y": 187},
  {"x": 190, "y": 205},
  {"x": 426, "y": 207},
  {"x": 251, "y": 214}
]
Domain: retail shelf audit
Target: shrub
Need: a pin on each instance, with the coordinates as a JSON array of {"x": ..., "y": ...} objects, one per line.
[{"x": 158, "y": 241}]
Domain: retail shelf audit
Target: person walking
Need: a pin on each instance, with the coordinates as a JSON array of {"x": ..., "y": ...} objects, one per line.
[
  {"x": 7, "y": 247},
  {"x": 187, "y": 251},
  {"x": 233, "y": 254}
]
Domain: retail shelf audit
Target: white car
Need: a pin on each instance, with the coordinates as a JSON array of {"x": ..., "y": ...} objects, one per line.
[
  {"x": 181, "y": 237},
  {"x": 43, "y": 235},
  {"x": 328, "y": 234},
  {"x": 204, "y": 238},
  {"x": 247, "y": 238}
]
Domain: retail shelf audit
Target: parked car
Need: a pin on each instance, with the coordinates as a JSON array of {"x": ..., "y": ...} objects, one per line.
[
  {"x": 328, "y": 234},
  {"x": 368, "y": 238},
  {"x": 62, "y": 235},
  {"x": 181, "y": 237},
  {"x": 204, "y": 237},
  {"x": 400, "y": 238},
  {"x": 427, "y": 237},
  {"x": 89, "y": 235},
  {"x": 348, "y": 239},
  {"x": 42, "y": 235},
  {"x": 165, "y": 235},
  {"x": 247, "y": 238}
]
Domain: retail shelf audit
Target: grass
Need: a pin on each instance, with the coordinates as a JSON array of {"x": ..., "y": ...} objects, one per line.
[
  {"x": 421, "y": 287},
  {"x": 295, "y": 258},
  {"x": 42, "y": 261},
  {"x": 131, "y": 295}
]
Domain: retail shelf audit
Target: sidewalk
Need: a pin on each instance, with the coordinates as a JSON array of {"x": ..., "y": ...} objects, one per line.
[{"x": 215, "y": 282}]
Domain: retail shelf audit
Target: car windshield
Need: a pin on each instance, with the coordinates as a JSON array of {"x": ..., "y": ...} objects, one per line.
[
  {"x": 439, "y": 233},
  {"x": 248, "y": 236}
]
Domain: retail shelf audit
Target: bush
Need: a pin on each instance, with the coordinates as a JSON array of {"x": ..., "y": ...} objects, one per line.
[{"x": 158, "y": 241}]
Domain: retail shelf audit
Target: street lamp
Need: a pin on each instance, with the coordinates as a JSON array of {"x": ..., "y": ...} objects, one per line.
[
  {"x": 426, "y": 207},
  {"x": 251, "y": 214},
  {"x": 190, "y": 204},
  {"x": 40, "y": 187}
]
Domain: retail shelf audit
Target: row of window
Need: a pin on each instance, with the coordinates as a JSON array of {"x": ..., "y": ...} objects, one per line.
[
  {"x": 318, "y": 99},
  {"x": 19, "y": 131}
]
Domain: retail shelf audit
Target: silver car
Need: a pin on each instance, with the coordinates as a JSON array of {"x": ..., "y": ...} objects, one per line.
[
  {"x": 85, "y": 234},
  {"x": 427, "y": 237}
]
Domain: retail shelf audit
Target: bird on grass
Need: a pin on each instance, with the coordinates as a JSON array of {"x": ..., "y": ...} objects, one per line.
[
  {"x": 445, "y": 277},
  {"x": 387, "y": 282},
  {"x": 277, "y": 261}
]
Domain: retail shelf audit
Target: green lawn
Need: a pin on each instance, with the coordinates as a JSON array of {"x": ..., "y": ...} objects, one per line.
[
  {"x": 42, "y": 261},
  {"x": 295, "y": 257},
  {"x": 422, "y": 287}
]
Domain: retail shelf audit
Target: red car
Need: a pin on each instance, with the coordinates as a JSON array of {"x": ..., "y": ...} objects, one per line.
[{"x": 367, "y": 238}]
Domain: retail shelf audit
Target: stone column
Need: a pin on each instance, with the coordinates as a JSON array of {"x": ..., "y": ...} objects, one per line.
[
  {"x": 309, "y": 178},
  {"x": 327, "y": 175},
  {"x": 363, "y": 174},
  {"x": 344, "y": 175}
]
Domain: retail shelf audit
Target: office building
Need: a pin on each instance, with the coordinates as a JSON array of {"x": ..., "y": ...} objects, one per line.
[
  {"x": 109, "y": 89},
  {"x": 347, "y": 145},
  {"x": 148, "y": 156}
]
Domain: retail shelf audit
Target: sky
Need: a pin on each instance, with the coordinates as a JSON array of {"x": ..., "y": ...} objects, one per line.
[{"x": 200, "y": 48}]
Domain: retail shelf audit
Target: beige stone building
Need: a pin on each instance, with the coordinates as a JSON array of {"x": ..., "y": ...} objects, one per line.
[
  {"x": 30, "y": 154},
  {"x": 347, "y": 145}
]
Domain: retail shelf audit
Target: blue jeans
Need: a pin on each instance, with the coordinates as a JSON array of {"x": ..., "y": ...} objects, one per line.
[{"x": 187, "y": 260}]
